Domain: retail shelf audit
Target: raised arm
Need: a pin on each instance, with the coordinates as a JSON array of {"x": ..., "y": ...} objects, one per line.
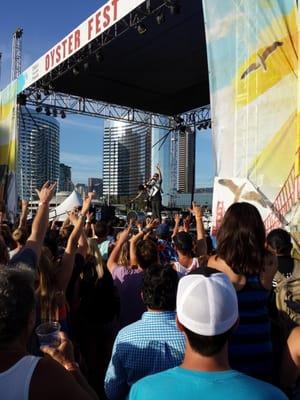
[
  {"x": 176, "y": 226},
  {"x": 40, "y": 222},
  {"x": 201, "y": 241},
  {"x": 68, "y": 259},
  {"x": 24, "y": 214},
  {"x": 159, "y": 172},
  {"x": 112, "y": 261}
]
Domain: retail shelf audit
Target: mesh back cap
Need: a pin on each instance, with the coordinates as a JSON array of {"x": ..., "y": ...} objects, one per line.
[{"x": 207, "y": 305}]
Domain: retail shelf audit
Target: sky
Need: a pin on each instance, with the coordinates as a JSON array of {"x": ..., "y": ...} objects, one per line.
[{"x": 44, "y": 24}]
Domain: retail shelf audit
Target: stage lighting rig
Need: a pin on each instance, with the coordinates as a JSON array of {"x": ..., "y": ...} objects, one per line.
[
  {"x": 75, "y": 71},
  {"x": 47, "y": 111},
  {"x": 160, "y": 18},
  {"x": 174, "y": 6},
  {"x": 141, "y": 28},
  {"x": 39, "y": 109},
  {"x": 62, "y": 114}
]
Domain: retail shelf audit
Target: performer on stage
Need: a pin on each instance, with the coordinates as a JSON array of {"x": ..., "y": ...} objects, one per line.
[{"x": 154, "y": 192}]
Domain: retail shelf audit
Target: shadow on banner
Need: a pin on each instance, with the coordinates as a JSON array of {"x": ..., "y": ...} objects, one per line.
[
  {"x": 8, "y": 148},
  {"x": 253, "y": 59}
]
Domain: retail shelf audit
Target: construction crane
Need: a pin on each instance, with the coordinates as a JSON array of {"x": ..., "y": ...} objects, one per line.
[{"x": 16, "y": 62}]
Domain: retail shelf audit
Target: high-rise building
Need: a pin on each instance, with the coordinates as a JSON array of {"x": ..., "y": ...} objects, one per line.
[
  {"x": 161, "y": 153},
  {"x": 126, "y": 159},
  {"x": 81, "y": 189},
  {"x": 65, "y": 180},
  {"x": 38, "y": 151},
  {"x": 96, "y": 185},
  {"x": 185, "y": 162}
]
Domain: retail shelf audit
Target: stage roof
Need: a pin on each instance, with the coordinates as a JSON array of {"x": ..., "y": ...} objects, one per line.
[{"x": 163, "y": 70}]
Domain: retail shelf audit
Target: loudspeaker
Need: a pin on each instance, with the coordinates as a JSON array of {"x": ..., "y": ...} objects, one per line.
[{"x": 107, "y": 213}]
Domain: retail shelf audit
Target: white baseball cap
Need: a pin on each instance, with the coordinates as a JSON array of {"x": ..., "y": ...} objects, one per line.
[{"x": 207, "y": 305}]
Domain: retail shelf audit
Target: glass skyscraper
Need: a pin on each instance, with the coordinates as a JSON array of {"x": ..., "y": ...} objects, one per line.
[
  {"x": 38, "y": 151},
  {"x": 126, "y": 159},
  {"x": 161, "y": 154}
]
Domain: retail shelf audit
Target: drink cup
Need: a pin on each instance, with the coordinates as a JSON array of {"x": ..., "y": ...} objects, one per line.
[{"x": 48, "y": 334}]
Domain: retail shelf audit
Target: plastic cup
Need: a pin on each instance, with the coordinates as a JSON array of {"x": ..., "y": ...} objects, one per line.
[{"x": 48, "y": 334}]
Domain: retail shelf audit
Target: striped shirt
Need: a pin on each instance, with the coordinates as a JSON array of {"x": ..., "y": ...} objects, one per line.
[
  {"x": 150, "y": 345},
  {"x": 250, "y": 349}
]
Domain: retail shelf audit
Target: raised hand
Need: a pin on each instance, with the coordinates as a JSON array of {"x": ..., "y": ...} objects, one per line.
[
  {"x": 196, "y": 211},
  {"x": 46, "y": 193}
]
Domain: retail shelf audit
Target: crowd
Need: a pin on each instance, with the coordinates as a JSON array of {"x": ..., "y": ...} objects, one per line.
[{"x": 147, "y": 311}]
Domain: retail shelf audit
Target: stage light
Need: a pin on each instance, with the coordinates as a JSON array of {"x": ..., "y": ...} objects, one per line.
[
  {"x": 182, "y": 129},
  {"x": 21, "y": 99},
  {"x": 99, "y": 57},
  {"x": 54, "y": 112},
  {"x": 173, "y": 6},
  {"x": 175, "y": 9},
  {"x": 47, "y": 111},
  {"x": 62, "y": 114},
  {"x": 141, "y": 28},
  {"x": 86, "y": 66},
  {"x": 38, "y": 96},
  {"x": 160, "y": 18},
  {"x": 178, "y": 119},
  {"x": 39, "y": 109},
  {"x": 75, "y": 71}
]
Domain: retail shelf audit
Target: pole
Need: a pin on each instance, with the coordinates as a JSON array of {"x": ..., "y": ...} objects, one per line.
[{"x": 194, "y": 164}]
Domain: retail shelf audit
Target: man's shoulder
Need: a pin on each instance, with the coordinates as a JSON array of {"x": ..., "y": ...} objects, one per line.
[
  {"x": 245, "y": 387},
  {"x": 131, "y": 331},
  {"x": 153, "y": 384},
  {"x": 257, "y": 388}
]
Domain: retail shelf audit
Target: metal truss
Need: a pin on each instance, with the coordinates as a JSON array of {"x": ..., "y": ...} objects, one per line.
[
  {"x": 43, "y": 96},
  {"x": 134, "y": 20},
  {"x": 55, "y": 103}
]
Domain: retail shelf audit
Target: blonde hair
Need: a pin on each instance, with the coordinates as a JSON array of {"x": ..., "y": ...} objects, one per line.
[
  {"x": 19, "y": 235},
  {"x": 94, "y": 255},
  {"x": 124, "y": 255}
]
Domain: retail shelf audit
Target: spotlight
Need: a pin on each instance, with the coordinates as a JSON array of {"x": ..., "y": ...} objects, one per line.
[
  {"x": 175, "y": 9},
  {"x": 39, "y": 109},
  {"x": 173, "y": 6},
  {"x": 141, "y": 28},
  {"x": 75, "y": 71},
  {"x": 182, "y": 129},
  {"x": 38, "y": 96},
  {"x": 62, "y": 114},
  {"x": 99, "y": 57},
  {"x": 86, "y": 66},
  {"x": 21, "y": 99},
  {"x": 178, "y": 119},
  {"x": 47, "y": 111},
  {"x": 54, "y": 112},
  {"x": 160, "y": 18}
]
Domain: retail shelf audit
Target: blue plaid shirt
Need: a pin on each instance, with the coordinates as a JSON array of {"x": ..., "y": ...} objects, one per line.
[{"x": 150, "y": 345}]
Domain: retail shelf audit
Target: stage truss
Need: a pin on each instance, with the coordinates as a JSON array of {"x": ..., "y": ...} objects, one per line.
[{"x": 55, "y": 103}]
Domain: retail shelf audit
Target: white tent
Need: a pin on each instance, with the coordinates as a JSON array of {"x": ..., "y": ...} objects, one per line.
[{"x": 60, "y": 212}]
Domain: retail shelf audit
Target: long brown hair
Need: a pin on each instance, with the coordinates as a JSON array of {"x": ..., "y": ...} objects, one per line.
[
  {"x": 49, "y": 296},
  {"x": 241, "y": 239}
]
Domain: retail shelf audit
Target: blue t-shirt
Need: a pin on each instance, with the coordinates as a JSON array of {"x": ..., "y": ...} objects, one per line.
[{"x": 179, "y": 383}]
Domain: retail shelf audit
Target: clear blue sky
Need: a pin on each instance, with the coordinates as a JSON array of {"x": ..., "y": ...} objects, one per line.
[{"x": 44, "y": 24}]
